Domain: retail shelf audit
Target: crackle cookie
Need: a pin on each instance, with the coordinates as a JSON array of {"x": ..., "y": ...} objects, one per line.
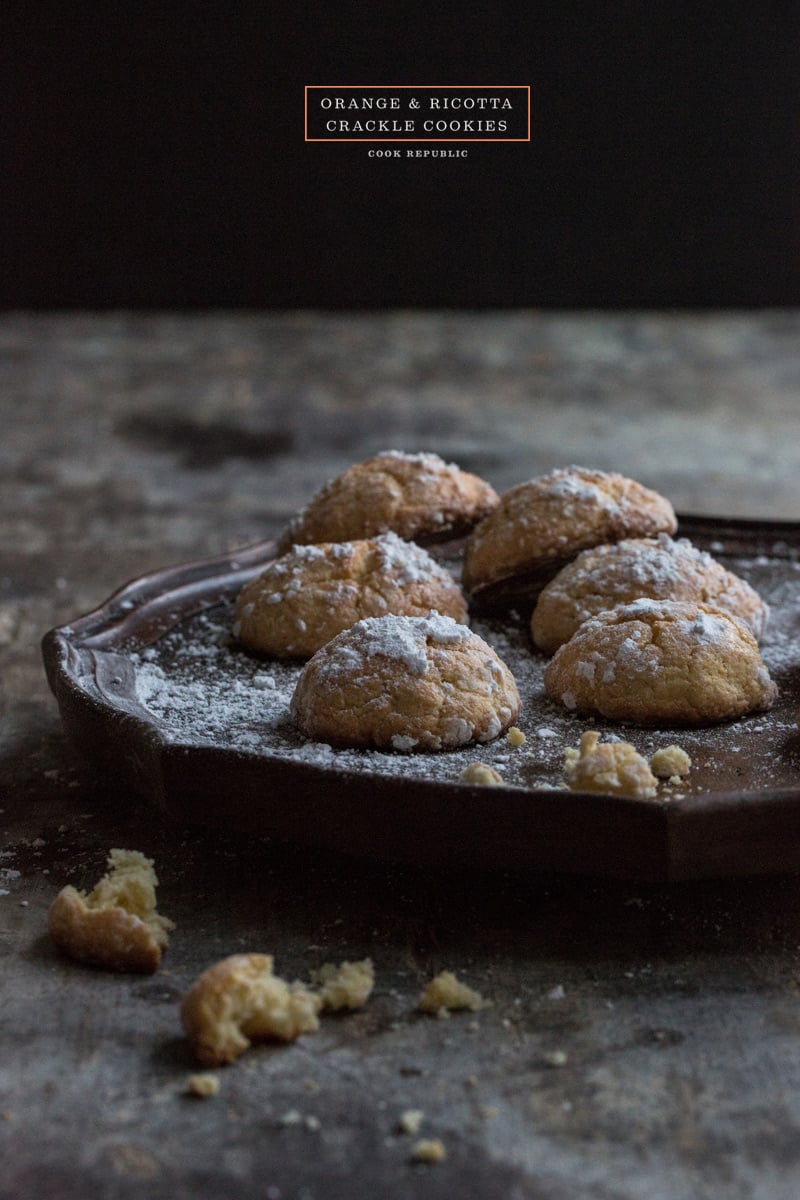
[
  {"x": 666, "y": 662},
  {"x": 417, "y": 496},
  {"x": 539, "y": 526},
  {"x": 303, "y": 599},
  {"x": 658, "y": 568},
  {"x": 405, "y": 683}
]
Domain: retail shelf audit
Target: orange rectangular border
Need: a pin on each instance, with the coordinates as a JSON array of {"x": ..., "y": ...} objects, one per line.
[{"x": 419, "y": 87}]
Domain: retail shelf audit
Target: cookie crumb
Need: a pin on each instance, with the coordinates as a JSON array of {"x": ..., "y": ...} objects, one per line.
[
  {"x": 515, "y": 736},
  {"x": 429, "y": 1150},
  {"x": 612, "y": 768},
  {"x": 445, "y": 993},
  {"x": 481, "y": 773},
  {"x": 671, "y": 762},
  {"x": 411, "y": 1120},
  {"x": 347, "y": 986},
  {"x": 203, "y": 1085}
]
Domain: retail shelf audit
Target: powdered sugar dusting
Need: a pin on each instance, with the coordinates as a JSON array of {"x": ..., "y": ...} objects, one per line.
[
  {"x": 404, "y": 639},
  {"x": 203, "y": 690},
  {"x": 573, "y": 488},
  {"x": 425, "y": 458},
  {"x": 407, "y": 561}
]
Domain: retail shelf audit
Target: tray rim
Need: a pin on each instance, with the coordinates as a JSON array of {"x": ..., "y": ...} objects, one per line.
[{"x": 171, "y": 594}]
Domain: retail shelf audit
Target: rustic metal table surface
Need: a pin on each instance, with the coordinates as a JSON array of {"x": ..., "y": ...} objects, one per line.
[{"x": 644, "y": 1040}]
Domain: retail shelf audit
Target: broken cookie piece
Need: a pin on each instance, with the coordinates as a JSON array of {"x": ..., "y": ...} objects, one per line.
[
  {"x": 116, "y": 925},
  {"x": 239, "y": 1001},
  {"x": 610, "y": 768}
]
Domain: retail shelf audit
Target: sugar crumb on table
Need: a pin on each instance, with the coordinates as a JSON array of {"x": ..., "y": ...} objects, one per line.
[
  {"x": 445, "y": 993},
  {"x": 348, "y": 985},
  {"x": 202, "y": 1085},
  {"x": 429, "y": 1150},
  {"x": 411, "y": 1120}
]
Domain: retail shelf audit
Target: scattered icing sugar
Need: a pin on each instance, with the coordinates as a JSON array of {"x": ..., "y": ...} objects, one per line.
[
  {"x": 306, "y": 554},
  {"x": 644, "y": 605},
  {"x": 425, "y": 458},
  {"x": 404, "y": 639},
  {"x": 572, "y": 487},
  {"x": 201, "y": 689},
  {"x": 409, "y": 562},
  {"x": 711, "y": 628}
]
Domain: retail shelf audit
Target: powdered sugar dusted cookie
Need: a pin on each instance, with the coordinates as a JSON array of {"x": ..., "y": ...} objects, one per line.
[
  {"x": 405, "y": 683},
  {"x": 666, "y": 662},
  {"x": 303, "y": 599},
  {"x": 539, "y": 526},
  {"x": 658, "y": 568},
  {"x": 417, "y": 496}
]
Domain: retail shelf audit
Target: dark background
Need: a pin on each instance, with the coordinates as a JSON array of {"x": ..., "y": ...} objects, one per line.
[{"x": 154, "y": 157}]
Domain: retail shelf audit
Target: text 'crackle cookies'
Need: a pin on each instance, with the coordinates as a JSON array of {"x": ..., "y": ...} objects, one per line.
[
  {"x": 657, "y": 568},
  {"x": 303, "y": 599},
  {"x": 661, "y": 662},
  {"x": 416, "y": 496},
  {"x": 405, "y": 683},
  {"x": 541, "y": 525}
]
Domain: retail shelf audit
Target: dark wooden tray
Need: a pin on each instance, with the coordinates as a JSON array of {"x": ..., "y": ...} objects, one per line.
[{"x": 740, "y": 813}]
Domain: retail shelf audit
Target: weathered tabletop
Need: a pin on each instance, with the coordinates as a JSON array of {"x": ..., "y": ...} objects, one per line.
[{"x": 133, "y": 442}]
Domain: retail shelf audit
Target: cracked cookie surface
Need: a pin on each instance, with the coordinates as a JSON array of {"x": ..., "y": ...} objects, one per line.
[
  {"x": 312, "y": 593},
  {"x": 661, "y": 661},
  {"x": 413, "y": 495},
  {"x": 540, "y": 525},
  {"x": 660, "y": 568}
]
